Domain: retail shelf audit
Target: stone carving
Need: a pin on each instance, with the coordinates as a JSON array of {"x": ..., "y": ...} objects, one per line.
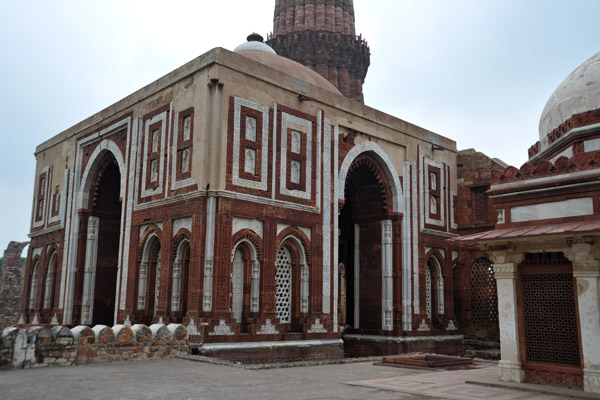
[
  {"x": 221, "y": 329},
  {"x": 295, "y": 167},
  {"x": 255, "y": 225},
  {"x": 250, "y": 128},
  {"x": 187, "y": 127},
  {"x": 250, "y": 161},
  {"x": 423, "y": 326},
  {"x": 268, "y": 328},
  {"x": 283, "y": 279},
  {"x": 296, "y": 145},
  {"x": 182, "y": 223}
]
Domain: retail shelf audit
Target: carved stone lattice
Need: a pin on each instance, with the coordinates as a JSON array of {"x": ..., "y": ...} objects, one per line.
[
  {"x": 428, "y": 300},
  {"x": 484, "y": 297},
  {"x": 283, "y": 279},
  {"x": 550, "y": 319},
  {"x": 480, "y": 203}
]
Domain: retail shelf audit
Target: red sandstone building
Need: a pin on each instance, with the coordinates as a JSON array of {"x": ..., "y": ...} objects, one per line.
[
  {"x": 545, "y": 245},
  {"x": 249, "y": 204}
]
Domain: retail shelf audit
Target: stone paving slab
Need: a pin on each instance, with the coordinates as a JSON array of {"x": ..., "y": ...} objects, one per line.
[
  {"x": 451, "y": 384},
  {"x": 186, "y": 379}
]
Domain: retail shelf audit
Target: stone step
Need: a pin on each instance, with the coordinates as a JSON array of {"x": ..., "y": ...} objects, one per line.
[{"x": 493, "y": 354}]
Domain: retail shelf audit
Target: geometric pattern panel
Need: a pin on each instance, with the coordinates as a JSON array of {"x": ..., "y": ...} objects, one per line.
[
  {"x": 549, "y": 311},
  {"x": 283, "y": 280},
  {"x": 428, "y": 291},
  {"x": 484, "y": 297}
]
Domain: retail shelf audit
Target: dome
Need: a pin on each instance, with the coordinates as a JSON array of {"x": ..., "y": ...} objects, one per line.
[
  {"x": 579, "y": 93},
  {"x": 258, "y": 51}
]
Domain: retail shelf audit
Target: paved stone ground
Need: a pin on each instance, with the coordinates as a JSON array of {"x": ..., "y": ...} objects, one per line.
[{"x": 185, "y": 379}]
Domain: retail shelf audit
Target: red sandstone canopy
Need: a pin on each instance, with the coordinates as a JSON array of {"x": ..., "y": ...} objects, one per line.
[{"x": 530, "y": 232}]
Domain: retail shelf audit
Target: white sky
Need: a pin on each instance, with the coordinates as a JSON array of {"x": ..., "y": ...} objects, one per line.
[{"x": 479, "y": 72}]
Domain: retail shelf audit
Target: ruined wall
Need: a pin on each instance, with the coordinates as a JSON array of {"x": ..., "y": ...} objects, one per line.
[
  {"x": 38, "y": 346},
  {"x": 10, "y": 284}
]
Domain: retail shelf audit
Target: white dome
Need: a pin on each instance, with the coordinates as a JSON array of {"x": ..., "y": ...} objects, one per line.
[
  {"x": 254, "y": 46},
  {"x": 579, "y": 93}
]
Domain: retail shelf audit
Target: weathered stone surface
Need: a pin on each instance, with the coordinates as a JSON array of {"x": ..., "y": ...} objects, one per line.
[{"x": 10, "y": 284}]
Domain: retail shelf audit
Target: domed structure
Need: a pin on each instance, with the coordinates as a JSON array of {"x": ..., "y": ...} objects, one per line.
[
  {"x": 258, "y": 51},
  {"x": 577, "y": 94}
]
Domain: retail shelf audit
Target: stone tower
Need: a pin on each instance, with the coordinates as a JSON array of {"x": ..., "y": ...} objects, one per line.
[{"x": 320, "y": 34}]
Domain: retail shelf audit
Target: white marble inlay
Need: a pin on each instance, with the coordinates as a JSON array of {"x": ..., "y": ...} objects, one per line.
[
  {"x": 268, "y": 328},
  {"x": 296, "y": 141},
  {"x": 555, "y": 209},
  {"x": 250, "y": 161},
  {"x": 295, "y": 171},
  {"x": 182, "y": 223},
  {"x": 251, "y": 128},
  {"x": 264, "y": 159},
  {"x": 221, "y": 329},
  {"x": 254, "y": 225},
  {"x": 305, "y": 126}
]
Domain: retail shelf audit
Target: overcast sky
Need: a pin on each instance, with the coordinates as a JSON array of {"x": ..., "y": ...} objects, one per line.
[{"x": 477, "y": 71}]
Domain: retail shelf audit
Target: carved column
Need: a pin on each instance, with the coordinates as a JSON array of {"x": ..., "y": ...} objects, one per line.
[
  {"x": 505, "y": 272},
  {"x": 255, "y": 288},
  {"x": 356, "y": 276},
  {"x": 387, "y": 298},
  {"x": 586, "y": 270},
  {"x": 211, "y": 209},
  {"x": 89, "y": 278}
]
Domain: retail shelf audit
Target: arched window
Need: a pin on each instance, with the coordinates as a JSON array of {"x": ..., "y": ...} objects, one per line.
[
  {"x": 283, "y": 291},
  {"x": 180, "y": 277},
  {"x": 291, "y": 280},
  {"x": 434, "y": 288},
  {"x": 149, "y": 278},
  {"x": 49, "y": 282},
  {"x": 34, "y": 284}
]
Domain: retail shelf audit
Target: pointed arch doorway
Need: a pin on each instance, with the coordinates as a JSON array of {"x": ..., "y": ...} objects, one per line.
[
  {"x": 102, "y": 243},
  {"x": 365, "y": 246}
]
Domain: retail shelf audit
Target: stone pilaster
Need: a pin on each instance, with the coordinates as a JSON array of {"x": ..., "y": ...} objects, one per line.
[
  {"x": 505, "y": 272},
  {"x": 586, "y": 270}
]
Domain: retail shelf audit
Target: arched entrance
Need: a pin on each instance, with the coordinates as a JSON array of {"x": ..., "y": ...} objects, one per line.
[
  {"x": 362, "y": 221},
  {"x": 102, "y": 245}
]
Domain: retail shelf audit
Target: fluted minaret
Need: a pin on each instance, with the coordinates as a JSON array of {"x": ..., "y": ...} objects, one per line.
[{"x": 320, "y": 34}]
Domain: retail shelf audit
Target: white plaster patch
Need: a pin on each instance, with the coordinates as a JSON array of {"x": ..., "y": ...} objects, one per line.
[
  {"x": 182, "y": 223},
  {"x": 255, "y": 225},
  {"x": 264, "y": 159},
  {"x": 556, "y": 209}
]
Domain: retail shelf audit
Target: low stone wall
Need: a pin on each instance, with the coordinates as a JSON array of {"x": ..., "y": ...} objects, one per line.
[{"x": 39, "y": 346}]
